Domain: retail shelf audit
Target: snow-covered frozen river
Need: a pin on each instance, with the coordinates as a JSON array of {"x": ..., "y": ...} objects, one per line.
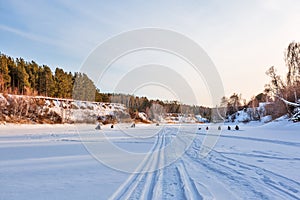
[{"x": 260, "y": 161}]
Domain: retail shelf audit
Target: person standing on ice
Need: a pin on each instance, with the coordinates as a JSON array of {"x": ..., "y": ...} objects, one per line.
[
  {"x": 132, "y": 125},
  {"x": 237, "y": 127},
  {"x": 98, "y": 127}
]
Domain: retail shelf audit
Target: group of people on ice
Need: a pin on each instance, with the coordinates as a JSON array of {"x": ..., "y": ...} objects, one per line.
[
  {"x": 219, "y": 128},
  {"x": 98, "y": 127}
]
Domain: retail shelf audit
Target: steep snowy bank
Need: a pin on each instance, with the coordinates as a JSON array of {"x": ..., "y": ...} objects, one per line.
[{"x": 39, "y": 109}]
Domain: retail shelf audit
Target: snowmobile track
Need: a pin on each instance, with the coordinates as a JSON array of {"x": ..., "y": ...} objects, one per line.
[{"x": 157, "y": 181}]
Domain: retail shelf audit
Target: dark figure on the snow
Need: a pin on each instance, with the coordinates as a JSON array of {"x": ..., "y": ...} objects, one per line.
[
  {"x": 229, "y": 128},
  {"x": 133, "y": 125},
  {"x": 207, "y": 128},
  {"x": 219, "y": 128},
  {"x": 237, "y": 127},
  {"x": 112, "y": 126},
  {"x": 98, "y": 127},
  {"x": 199, "y": 128},
  {"x": 157, "y": 124}
]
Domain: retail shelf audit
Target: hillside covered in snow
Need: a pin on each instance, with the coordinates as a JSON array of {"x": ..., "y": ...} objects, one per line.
[{"x": 39, "y": 109}]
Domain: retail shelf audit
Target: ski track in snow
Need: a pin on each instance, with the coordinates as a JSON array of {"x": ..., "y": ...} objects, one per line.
[
  {"x": 256, "y": 182},
  {"x": 228, "y": 172},
  {"x": 192, "y": 177},
  {"x": 169, "y": 182},
  {"x": 296, "y": 144}
]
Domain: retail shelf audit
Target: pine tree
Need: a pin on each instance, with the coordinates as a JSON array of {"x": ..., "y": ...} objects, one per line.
[
  {"x": 22, "y": 76},
  {"x": 63, "y": 83},
  {"x": 32, "y": 70},
  {"x": 46, "y": 82},
  {"x": 4, "y": 74}
]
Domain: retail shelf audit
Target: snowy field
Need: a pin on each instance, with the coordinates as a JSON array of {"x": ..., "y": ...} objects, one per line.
[{"x": 260, "y": 161}]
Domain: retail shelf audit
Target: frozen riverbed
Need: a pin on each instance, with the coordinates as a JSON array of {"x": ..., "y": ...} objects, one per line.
[{"x": 56, "y": 162}]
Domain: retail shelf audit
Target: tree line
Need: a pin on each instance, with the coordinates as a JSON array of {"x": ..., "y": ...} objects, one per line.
[
  {"x": 18, "y": 76},
  {"x": 21, "y": 77},
  {"x": 143, "y": 104}
]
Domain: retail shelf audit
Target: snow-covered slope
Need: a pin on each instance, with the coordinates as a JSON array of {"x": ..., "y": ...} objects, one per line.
[
  {"x": 19, "y": 108},
  {"x": 251, "y": 114},
  {"x": 175, "y": 118}
]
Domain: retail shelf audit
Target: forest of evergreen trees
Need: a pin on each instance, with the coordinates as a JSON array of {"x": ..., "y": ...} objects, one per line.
[
  {"x": 18, "y": 76},
  {"x": 21, "y": 77}
]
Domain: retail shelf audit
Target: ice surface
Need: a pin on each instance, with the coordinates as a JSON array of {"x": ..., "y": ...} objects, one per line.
[{"x": 260, "y": 161}]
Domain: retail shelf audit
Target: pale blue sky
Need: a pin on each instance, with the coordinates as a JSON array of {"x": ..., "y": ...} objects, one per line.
[{"x": 243, "y": 38}]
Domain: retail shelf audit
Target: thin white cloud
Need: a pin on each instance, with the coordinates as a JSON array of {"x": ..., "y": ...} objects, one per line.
[{"x": 27, "y": 35}]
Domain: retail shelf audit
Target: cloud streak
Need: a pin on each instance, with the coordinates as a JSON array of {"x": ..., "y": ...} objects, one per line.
[{"x": 28, "y": 35}]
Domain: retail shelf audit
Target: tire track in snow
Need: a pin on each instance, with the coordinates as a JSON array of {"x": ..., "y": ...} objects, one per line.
[
  {"x": 169, "y": 182},
  {"x": 254, "y": 181},
  {"x": 200, "y": 190},
  {"x": 233, "y": 177},
  {"x": 152, "y": 177},
  {"x": 168, "y": 185},
  {"x": 178, "y": 183},
  {"x": 189, "y": 186},
  {"x": 136, "y": 180},
  {"x": 260, "y": 156},
  {"x": 143, "y": 184},
  {"x": 295, "y": 144}
]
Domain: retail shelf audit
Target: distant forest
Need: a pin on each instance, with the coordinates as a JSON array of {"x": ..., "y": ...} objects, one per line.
[{"x": 21, "y": 77}]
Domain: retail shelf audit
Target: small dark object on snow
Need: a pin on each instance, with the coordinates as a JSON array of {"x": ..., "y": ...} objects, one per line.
[
  {"x": 157, "y": 124},
  {"x": 207, "y": 128},
  {"x": 98, "y": 127},
  {"x": 132, "y": 125},
  {"x": 219, "y": 128},
  {"x": 199, "y": 128},
  {"x": 296, "y": 117},
  {"x": 229, "y": 128},
  {"x": 112, "y": 126},
  {"x": 237, "y": 127}
]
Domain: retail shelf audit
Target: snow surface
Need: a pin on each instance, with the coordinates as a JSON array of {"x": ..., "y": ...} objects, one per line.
[{"x": 260, "y": 161}]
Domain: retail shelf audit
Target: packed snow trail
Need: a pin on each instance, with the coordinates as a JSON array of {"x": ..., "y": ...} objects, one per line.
[
  {"x": 193, "y": 177},
  {"x": 254, "y": 182},
  {"x": 158, "y": 181}
]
